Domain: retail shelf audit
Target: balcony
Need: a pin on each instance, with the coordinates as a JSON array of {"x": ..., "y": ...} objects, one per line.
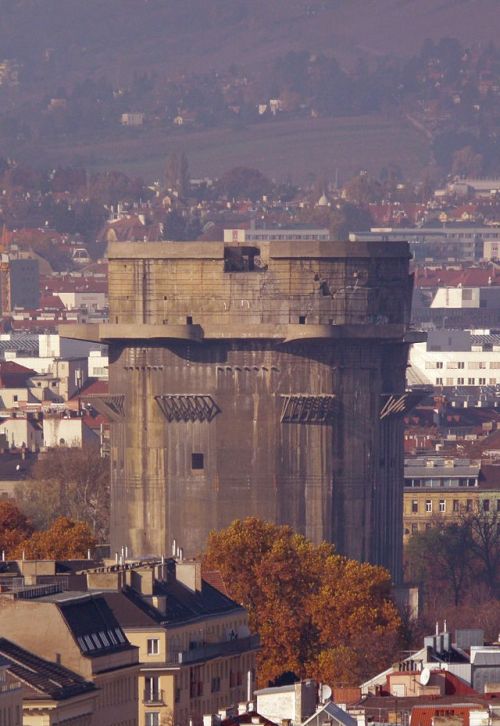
[
  {"x": 215, "y": 650},
  {"x": 153, "y": 698}
]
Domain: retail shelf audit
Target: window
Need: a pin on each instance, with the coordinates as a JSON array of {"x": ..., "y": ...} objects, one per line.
[
  {"x": 442, "y": 505},
  {"x": 215, "y": 685},
  {"x": 456, "y": 505},
  {"x": 460, "y": 381},
  {"x": 414, "y": 527},
  {"x": 439, "y": 381},
  {"x": 427, "y": 526},
  {"x": 152, "y": 689},
  {"x": 468, "y": 505},
  {"x": 153, "y": 646},
  {"x": 189, "y": 320},
  {"x": 471, "y": 381},
  {"x": 439, "y": 364},
  {"x": 414, "y": 506},
  {"x": 449, "y": 381},
  {"x": 428, "y": 505},
  {"x": 197, "y": 461},
  {"x": 481, "y": 381},
  {"x": 153, "y": 718},
  {"x": 302, "y": 319},
  {"x": 486, "y": 505},
  {"x": 461, "y": 364},
  {"x": 15, "y": 398}
]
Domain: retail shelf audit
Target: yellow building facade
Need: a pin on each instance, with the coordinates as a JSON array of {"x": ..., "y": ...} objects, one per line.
[
  {"x": 196, "y": 651},
  {"x": 10, "y": 696},
  {"x": 423, "y": 506}
]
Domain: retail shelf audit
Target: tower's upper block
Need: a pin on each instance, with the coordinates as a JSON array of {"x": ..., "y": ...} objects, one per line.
[{"x": 221, "y": 290}]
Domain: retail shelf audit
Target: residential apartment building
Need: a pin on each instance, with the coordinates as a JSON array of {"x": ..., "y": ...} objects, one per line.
[
  {"x": 458, "y": 358},
  {"x": 43, "y": 693},
  {"x": 268, "y": 234},
  {"x": 452, "y": 241},
  {"x": 196, "y": 651},
  {"x": 10, "y": 696},
  {"x": 439, "y": 488},
  {"x": 80, "y": 633}
]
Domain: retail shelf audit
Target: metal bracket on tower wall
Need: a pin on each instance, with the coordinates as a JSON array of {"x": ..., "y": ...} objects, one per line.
[
  {"x": 307, "y": 408},
  {"x": 187, "y": 406},
  {"x": 108, "y": 405}
]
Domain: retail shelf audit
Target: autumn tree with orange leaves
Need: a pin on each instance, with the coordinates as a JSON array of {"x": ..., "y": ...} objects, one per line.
[
  {"x": 14, "y": 526},
  {"x": 64, "y": 539},
  {"x": 319, "y": 615}
]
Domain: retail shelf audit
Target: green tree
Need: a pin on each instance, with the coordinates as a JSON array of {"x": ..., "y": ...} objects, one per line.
[
  {"x": 362, "y": 189},
  {"x": 484, "y": 528},
  {"x": 69, "y": 482},
  {"x": 441, "y": 558},
  {"x": 244, "y": 183},
  {"x": 177, "y": 174}
]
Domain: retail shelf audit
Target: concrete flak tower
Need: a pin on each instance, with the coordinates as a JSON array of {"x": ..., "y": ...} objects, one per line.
[{"x": 260, "y": 380}]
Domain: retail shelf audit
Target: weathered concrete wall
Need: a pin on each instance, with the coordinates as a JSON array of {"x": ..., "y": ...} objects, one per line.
[{"x": 276, "y": 375}]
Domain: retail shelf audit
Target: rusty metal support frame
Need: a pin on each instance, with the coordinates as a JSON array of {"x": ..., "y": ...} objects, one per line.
[
  {"x": 307, "y": 408},
  {"x": 187, "y": 406},
  {"x": 399, "y": 404},
  {"x": 110, "y": 405}
]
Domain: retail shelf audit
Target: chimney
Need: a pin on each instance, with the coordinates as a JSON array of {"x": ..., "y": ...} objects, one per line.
[
  {"x": 188, "y": 573},
  {"x": 249, "y": 685},
  {"x": 141, "y": 580}
]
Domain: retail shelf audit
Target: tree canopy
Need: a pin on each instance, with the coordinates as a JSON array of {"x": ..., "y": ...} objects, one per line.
[
  {"x": 315, "y": 611},
  {"x": 64, "y": 539},
  {"x": 452, "y": 558},
  {"x": 243, "y": 182},
  {"x": 70, "y": 482},
  {"x": 14, "y": 526}
]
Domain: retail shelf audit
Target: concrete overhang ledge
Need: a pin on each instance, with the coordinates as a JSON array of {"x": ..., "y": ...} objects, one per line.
[{"x": 107, "y": 332}]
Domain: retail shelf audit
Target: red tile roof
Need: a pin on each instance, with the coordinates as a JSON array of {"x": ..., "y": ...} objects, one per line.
[
  {"x": 92, "y": 386},
  {"x": 13, "y": 375},
  {"x": 468, "y": 277}
]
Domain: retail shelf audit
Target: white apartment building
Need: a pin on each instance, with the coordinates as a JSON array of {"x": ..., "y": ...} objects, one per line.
[
  {"x": 98, "y": 364},
  {"x": 467, "y": 297},
  {"x": 276, "y": 233},
  {"x": 458, "y": 358}
]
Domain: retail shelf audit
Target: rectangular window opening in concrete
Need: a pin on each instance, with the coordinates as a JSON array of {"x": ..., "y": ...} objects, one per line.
[{"x": 197, "y": 461}]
